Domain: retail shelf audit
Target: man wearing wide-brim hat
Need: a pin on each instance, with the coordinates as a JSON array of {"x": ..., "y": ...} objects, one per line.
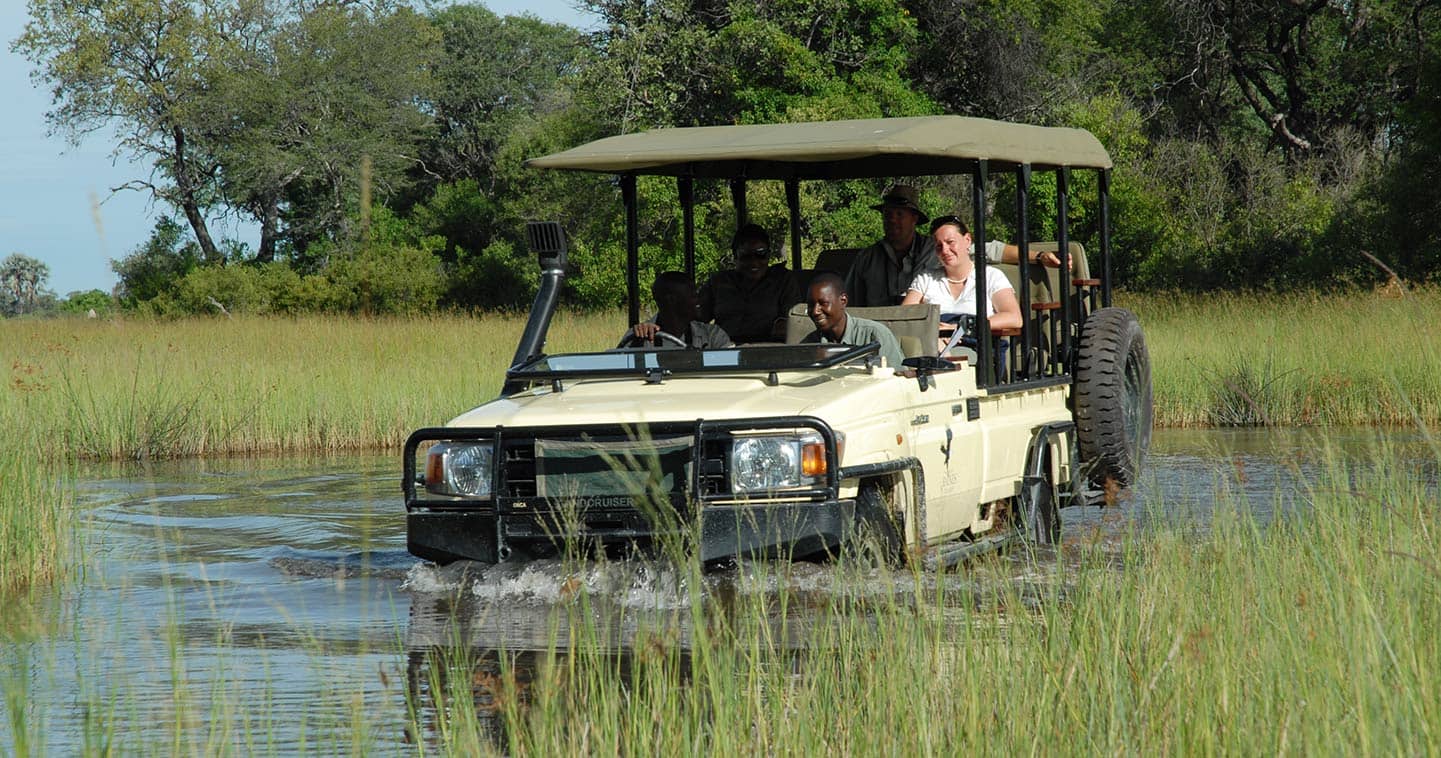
[{"x": 882, "y": 273}]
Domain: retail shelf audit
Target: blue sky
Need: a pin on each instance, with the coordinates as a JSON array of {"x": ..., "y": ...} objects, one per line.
[{"x": 56, "y": 203}]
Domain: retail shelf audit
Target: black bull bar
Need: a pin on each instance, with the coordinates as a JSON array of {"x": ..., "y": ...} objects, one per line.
[{"x": 717, "y": 522}]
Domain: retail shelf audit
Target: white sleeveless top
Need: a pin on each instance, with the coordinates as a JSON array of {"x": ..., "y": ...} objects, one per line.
[{"x": 934, "y": 289}]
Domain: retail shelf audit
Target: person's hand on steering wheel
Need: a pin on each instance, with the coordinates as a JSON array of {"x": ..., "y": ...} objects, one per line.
[{"x": 644, "y": 334}]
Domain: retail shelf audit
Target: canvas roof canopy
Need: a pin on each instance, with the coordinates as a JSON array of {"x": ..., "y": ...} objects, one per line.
[{"x": 916, "y": 146}]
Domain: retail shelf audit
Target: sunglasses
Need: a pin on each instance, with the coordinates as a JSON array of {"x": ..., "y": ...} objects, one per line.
[
  {"x": 940, "y": 221},
  {"x": 753, "y": 252}
]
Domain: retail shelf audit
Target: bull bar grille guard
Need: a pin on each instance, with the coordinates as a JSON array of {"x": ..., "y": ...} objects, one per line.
[{"x": 707, "y": 480}]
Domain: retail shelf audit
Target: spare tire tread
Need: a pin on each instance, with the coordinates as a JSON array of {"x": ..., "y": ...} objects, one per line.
[{"x": 1112, "y": 449}]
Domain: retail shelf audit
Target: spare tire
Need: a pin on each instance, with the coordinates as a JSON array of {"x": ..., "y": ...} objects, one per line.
[{"x": 1113, "y": 404}]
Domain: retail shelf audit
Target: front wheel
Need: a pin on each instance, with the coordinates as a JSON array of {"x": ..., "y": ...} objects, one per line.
[
  {"x": 876, "y": 538},
  {"x": 1113, "y": 403}
]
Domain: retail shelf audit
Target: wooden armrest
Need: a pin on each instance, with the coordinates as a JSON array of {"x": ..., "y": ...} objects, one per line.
[
  {"x": 1086, "y": 282},
  {"x": 1053, "y": 306},
  {"x": 1005, "y": 331}
]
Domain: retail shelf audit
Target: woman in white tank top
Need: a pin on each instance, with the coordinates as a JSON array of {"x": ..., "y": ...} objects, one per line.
[{"x": 953, "y": 288}]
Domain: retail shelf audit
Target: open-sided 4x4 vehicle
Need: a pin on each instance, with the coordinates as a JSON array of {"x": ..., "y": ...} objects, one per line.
[{"x": 800, "y": 449}]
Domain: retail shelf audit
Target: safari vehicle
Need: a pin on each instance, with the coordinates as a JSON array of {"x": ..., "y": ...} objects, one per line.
[{"x": 802, "y": 449}]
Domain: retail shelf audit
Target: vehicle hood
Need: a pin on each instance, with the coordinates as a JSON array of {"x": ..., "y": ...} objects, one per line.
[{"x": 632, "y": 400}]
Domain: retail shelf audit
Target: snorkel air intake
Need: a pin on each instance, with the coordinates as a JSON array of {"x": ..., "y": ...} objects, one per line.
[{"x": 547, "y": 241}]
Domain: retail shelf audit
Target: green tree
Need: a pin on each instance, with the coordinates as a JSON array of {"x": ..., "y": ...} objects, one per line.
[
  {"x": 82, "y": 303},
  {"x": 494, "y": 74},
  {"x": 22, "y": 282},
  {"x": 137, "y": 67},
  {"x": 683, "y": 63},
  {"x": 322, "y": 109},
  {"x": 1301, "y": 76},
  {"x": 1006, "y": 59},
  {"x": 157, "y": 265}
]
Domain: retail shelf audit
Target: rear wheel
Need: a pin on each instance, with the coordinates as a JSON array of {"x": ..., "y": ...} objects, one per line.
[
  {"x": 1040, "y": 513},
  {"x": 1113, "y": 404}
]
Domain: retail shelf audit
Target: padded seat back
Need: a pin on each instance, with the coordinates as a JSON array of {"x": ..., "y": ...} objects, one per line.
[
  {"x": 1046, "y": 281},
  {"x": 838, "y": 260},
  {"x": 1046, "y": 286},
  {"x": 915, "y": 326}
]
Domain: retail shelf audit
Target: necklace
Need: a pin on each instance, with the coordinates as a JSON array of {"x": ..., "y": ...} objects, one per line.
[{"x": 962, "y": 280}]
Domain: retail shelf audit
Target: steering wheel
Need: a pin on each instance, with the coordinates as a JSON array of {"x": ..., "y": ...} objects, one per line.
[{"x": 633, "y": 340}]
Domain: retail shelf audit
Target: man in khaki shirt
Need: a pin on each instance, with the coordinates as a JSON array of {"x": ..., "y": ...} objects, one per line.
[{"x": 883, "y": 272}]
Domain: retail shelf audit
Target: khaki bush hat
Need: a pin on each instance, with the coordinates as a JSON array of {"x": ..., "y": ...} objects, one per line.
[{"x": 902, "y": 196}]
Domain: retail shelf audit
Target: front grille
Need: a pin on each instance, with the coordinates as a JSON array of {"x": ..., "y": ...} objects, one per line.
[
  {"x": 598, "y": 466},
  {"x": 518, "y": 460},
  {"x": 714, "y": 463}
]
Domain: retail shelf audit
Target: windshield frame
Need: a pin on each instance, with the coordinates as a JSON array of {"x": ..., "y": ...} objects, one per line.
[{"x": 746, "y": 359}]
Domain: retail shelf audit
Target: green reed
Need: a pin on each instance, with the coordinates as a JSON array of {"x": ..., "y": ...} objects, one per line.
[
  {"x": 140, "y": 388},
  {"x": 1341, "y": 359},
  {"x": 1316, "y": 633},
  {"x": 36, "y": 511},
  {"x": 1319, "y": 632}
]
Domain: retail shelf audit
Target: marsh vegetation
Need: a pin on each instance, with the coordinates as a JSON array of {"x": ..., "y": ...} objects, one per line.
[{"x": 1311, "y": 629}]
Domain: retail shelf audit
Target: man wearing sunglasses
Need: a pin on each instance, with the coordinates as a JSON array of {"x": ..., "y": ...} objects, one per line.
[{"x": 750, "y": 301}]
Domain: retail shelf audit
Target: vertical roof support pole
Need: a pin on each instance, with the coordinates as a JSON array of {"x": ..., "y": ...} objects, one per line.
[
  {"x": 793, "y": 202},
  {"x": 738, "y": 199},
  {"x": 985, "y": 376},
  {"x": 1063, "y": 251},
  {"x": 1023, "y": 245},
  {"x": 632, "y": 247},
  {"x": 685, "y": 187},
  {"x": 1104, "y": 175}
]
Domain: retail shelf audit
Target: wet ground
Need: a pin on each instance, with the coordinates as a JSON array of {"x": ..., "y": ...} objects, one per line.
[{"x": 285, "y": 584}]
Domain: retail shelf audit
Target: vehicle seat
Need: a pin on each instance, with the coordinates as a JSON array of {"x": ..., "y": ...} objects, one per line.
[
  {"x": 915, "y": 326},
  {"x": 838, "y": 260},
  {"x": 1046, "y": 286}
]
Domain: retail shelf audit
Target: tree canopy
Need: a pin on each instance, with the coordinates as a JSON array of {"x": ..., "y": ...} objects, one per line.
[{"x": 1257, "y": 144}]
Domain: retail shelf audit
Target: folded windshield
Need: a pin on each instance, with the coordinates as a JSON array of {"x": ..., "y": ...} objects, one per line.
[{"x": 675, "y": 361}]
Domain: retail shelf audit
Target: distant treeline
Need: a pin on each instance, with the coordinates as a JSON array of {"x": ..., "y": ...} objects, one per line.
[{"x": 378, "y": 147}]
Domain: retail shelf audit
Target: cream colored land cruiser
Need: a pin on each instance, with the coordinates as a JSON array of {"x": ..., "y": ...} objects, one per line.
[{"x": 802, "y": 449}]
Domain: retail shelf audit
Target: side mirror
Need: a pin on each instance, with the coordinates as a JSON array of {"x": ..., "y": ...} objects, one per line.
[
  {"x": 928, "y": 363},
  {"x": 925, "y": 365}
]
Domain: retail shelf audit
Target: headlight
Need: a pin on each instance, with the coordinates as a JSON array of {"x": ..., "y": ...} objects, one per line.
[
  {"x": 778, "y": 462},
  {"x": 459, "y": 468}
]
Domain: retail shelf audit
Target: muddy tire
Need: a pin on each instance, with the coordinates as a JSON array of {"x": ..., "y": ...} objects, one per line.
[
  {"x": 1113, "y": 404},
  {"x": 877, "y": 536}
]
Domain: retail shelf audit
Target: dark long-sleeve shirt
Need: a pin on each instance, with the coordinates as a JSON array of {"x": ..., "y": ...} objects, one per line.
[{"x": 747, "y": 310}]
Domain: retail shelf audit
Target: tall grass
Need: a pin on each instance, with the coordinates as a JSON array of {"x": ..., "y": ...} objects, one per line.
[
  {"x": 1338, "y": 359},
  {"x": 140, "y": 388},
  {"x": 1318, "y": 633},
  {"x": 135, "y": 388},
  {"x": 36, "y": 510}
]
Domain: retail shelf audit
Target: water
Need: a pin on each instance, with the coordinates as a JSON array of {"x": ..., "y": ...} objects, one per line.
[{"x": 271, "y": 601}]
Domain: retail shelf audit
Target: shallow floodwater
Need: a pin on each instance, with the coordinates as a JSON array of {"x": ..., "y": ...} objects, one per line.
[{"x": 276, "y": 594}]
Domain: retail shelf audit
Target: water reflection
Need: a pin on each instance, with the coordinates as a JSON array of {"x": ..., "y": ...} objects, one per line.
[{"x": 277, "y": 593}]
